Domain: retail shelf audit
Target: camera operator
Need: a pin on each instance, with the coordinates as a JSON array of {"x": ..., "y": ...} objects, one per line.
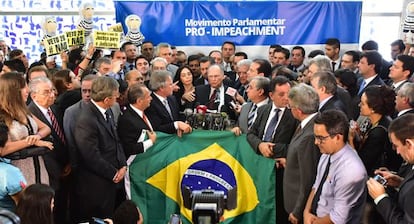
[{"x": 401, "y": 209}]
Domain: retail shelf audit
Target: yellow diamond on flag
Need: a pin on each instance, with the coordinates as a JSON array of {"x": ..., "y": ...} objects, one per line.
[{"x": 169, "y": 180}]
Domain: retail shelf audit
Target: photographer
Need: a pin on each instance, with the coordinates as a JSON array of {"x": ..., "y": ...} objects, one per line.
[{"x": 400, "y": 210}]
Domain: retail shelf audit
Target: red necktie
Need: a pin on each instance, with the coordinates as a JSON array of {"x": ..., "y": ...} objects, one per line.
[
  {"x": 146, "y": 121},
  {"x": 55, "y": 125}
]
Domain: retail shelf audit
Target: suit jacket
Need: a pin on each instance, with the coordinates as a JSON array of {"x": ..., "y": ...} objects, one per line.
[
  {"x": 69, "y": 123},
  {"x": 283, "y": 134},
  {"x": 58, "y": 157},
  {"x": 130, "y": 126},
  {"x": 334, "y": 103},
  {"x": 344, "y": 96},
  {"x": 376, "y": 81},
  {"x": 100, "y": 157},
  {"x": 301, "y": 168},
  {"x": 244, "y": 113},
  {"x": 159, "y": 116},
  {"x": 400, "y": 210},
  {"x": 203, "y": 96}
]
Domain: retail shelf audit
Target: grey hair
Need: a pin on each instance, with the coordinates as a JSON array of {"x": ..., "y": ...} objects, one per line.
[
  {"x": 34, "y": 83},
  {"x": 262, "y": 83},
  {"x": 305, "y": 98},
  {"x": 322, "y": 62},
  {"x": 163, "y": 60},
  {"x": 216, "y": 66},
  {"x": 103, "y": 87},
  {"x": 102, "y": 60},
  {"x": 158, "y": 79},
  {"x": 244, "y": 62},
  {"x": 327, "y": 80},
  {"x": 161, "y": 45},
  {"x": 407, "y": 90}
]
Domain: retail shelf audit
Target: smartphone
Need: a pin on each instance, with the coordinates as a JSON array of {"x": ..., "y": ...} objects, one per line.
[
  {"x": 380, "y": 179},
  {"x": 98, "y": 221}
]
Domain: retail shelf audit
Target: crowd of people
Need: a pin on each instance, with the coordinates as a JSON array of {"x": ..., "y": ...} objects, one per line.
[{"x": 330, "y": 122}]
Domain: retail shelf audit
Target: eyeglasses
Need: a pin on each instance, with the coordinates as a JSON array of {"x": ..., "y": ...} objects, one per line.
[
  {"x": 47, "y": 92},
  {"x": 321, "y": 139},
  {"x": 86, "y": 90}
]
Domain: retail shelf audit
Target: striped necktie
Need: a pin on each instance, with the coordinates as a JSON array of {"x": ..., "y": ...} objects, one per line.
[{"x": 250, "y": 116}]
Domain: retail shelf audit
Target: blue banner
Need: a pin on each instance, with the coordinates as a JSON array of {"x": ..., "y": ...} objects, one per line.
[{"x": 210, "y": 23}]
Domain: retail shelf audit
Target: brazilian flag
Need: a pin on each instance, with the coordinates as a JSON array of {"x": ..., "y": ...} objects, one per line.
[{"x": 215, "y": 160}]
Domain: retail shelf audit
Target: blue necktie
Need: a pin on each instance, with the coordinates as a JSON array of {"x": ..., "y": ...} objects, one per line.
[
  {"x": 272, "y": 126},
  {"x": 250, "y": 117},
  {"x": 361, "y": 88}
]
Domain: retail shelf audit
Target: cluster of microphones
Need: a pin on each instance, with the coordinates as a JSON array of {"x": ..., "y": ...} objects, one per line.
[{"x": 203, "y": 118}]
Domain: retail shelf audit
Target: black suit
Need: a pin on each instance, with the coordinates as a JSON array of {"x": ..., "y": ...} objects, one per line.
[
  {"x": 334, "y": 104},
  {"x": 400, "y": 210},
  {"x": 130, "y": 126},
  {"x": 203, "y": 97},
  {"x": 376, "y": 81},
  {"x": 159, "y": 116},
  {"x": 100, "y": 157},
  {"x": 283, "y": 134},
  {"x": 55, "y": 161},
  {"x": 58, "y": 158}
]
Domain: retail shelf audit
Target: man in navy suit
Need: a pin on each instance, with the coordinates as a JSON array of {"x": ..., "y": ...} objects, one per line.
[
  {"x": 399, "y": 210},
  {"x": 101, "y": 164},
  {"x": 163, "y": 111}
]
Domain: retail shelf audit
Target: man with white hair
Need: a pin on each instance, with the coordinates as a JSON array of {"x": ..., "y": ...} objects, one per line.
[{"x": 163, "y": 50}]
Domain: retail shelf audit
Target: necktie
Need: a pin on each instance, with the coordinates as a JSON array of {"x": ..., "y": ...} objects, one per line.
[
  {"x": 361, "y": 88},
  {"x": 250, "y": 116},
  {"x": 146, "y": 121},
  {"x": 131, "y": 67},
  {"x": 319, "y": 190},
  {"x": 167, "y": 107},
  {"x": 298, "y": 129},
  {"x": 110, "y": 120},
  {"x": 55, "y": 125},
  {"x": 272, "y": 126},
  {"x": 212, "y": 101},
  {"x": 333, "y": 66}
]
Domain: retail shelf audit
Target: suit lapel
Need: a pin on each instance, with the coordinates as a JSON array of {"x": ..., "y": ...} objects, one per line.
[{"x": 101, "y": 119}]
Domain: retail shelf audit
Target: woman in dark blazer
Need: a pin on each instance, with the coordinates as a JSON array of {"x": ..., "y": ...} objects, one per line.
[{"x": 371, "y": 139}]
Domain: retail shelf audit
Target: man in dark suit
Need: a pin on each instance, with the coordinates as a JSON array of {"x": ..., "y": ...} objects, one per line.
[
  {"x": 215, "y": 95},
  {"x": 404, "y": 100},
  {"x": 324, "y": 83},
  {"x": 163, "y": 111},
  {"x": 102, "y": 163},
  {"x": 401, "y": 71},
  {"x": 369, "y": 66},
  {"x": 56, "y": 162},
  {"x": 399, "y": 209},
  {"x": 273, "y": 140},
  {"x": 258, "y": 93},
  {"x": 133, "y": 125},
  {"x": 302, "y": 154}
]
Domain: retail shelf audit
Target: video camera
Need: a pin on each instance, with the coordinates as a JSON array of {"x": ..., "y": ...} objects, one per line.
[
  {"x": 208, "y": 206},
  {"x": 201, "y": 118}
]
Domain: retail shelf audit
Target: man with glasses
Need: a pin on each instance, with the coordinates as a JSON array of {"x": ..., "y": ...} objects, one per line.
[
  {"x": 338, "y": 193},
  {"x": 302, "y": 154},
  {"x": 57, "y": 161}
]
